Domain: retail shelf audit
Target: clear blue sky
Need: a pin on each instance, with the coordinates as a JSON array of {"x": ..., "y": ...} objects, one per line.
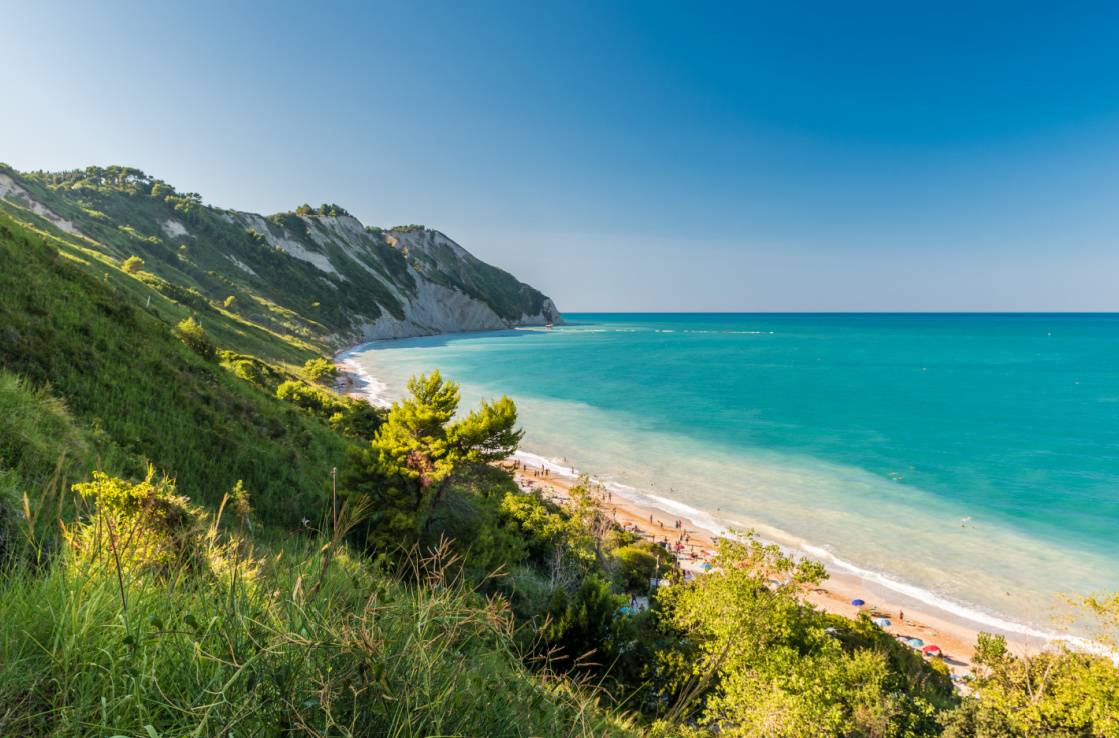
[{"x": 836, "y": 156}]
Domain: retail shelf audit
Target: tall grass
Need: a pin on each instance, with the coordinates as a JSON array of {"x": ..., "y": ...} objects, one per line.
[{"x": 367, "y": 656}]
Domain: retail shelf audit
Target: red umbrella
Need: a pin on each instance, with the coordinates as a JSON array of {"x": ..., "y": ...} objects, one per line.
[{"x": 931, "y": 650}]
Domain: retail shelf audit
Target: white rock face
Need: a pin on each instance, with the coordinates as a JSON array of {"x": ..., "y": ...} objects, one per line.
[
  {"x": 12, "y": 192},
  {"x": 240, "y": 264},
  {"x": 174, "y": 228},
  {"x": 291, "y": 246},
  {"x": 435, "y": 309},
  {"x": 432, "y": 308}
]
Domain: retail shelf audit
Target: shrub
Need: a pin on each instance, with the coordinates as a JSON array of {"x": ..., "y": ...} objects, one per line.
[
  {"x": 141, "y": 527},
  {"x": 320, "y": 370},
  {"x": 191, "y": 333},
  {"x": 132, "y": 264},
  {"x": 638, "y": 563}
]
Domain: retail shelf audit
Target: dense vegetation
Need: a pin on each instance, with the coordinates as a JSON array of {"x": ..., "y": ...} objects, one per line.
[{"x": 198, "y": 536}]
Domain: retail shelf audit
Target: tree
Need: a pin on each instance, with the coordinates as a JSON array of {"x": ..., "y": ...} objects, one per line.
[
  {"x": 132, "y": 264},
  {"x": 320, "y": 370},
  {"x": 414, "y": 457},
  {"x": 639, "y": 563},
  {"x": 1053, "y": 693},
  {"x": 757, "y": 661}
]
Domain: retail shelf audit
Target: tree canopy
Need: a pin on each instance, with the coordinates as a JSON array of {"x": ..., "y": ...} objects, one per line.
[{"x": 412, "y": 460}]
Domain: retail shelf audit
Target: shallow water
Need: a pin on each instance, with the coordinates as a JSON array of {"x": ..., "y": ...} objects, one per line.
[{"x": 973, "y": 459}]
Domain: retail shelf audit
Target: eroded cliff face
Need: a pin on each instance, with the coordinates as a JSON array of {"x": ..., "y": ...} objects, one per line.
[
  {"x": 442, "y": 288},
  {"x": 315, "y": 272}
]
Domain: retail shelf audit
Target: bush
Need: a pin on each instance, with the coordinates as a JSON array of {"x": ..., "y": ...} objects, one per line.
[
  {"x": 639, "y": 563},
  {"x": 191, "y": 333},
  {"x": 320, "y": 370},
  {"x": 142, "y": 527},
  {"x": 132, "y": 264},
  {"x": 347, "y": 415}
]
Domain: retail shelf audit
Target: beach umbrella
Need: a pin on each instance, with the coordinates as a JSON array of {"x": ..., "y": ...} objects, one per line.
[
  {"x": 931, "y": 650},
  {"x": 915, "y": 642},
  {"x": 858, "y": 603},
  {"x": 881, "y": 622}
]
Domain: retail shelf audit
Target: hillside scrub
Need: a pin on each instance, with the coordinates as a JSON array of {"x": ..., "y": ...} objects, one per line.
[{"x": 223, "y": 655}]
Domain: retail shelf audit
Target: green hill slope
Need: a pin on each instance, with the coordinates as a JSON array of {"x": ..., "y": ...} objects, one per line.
[
  {"x": 121, "y": 370},
  {"x": 315, "y": 276},
  {"x": 251, "y": 624}
]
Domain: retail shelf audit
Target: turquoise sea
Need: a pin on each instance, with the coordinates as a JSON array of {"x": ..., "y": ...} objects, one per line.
[{"x": 971, "y": 461}]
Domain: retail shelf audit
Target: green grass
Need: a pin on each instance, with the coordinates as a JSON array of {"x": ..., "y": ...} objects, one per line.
[
  {"x": 98, "y": 344},
  {"x": 364, "y": 656}
]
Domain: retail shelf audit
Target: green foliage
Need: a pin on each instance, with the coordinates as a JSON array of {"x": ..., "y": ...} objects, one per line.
[
  {"x": 757, "y": 662},
  {"x": 132, "y": 264},
  {"x": 350, "y": 416},
  {"x": 581, "y": 625},
  {"x": 640, "y": 563},
  {"x": 138, "y": 527},
  {"x": 1059, "y": 693},
  {"x": 139, "y": 236},
  {"x": 191, "y": 333},
  {"x": 320, "y": 370},
  {"x": 413, "y": 458},
  {"x": 323, "y": 210},
  {"x": 364, "y": 656},
  {"x": 38, "y": 435}
]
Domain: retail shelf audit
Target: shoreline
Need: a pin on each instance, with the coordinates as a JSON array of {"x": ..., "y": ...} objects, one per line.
[
  {"x": 953, "y": 627},
  {"x": 835, "y": 595}
]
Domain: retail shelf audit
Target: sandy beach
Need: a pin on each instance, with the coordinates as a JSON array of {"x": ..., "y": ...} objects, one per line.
[
  {"x": 956, "y": 640},
  {"x": 908, "y": 617}
]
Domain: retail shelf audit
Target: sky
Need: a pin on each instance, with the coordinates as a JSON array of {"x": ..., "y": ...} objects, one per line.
[{"x": 625, "y": 156}]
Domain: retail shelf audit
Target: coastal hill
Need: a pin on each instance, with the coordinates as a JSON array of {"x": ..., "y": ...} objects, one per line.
[
  {"x": 199, "y": 535},
  {"x": 313, "y": 274}
]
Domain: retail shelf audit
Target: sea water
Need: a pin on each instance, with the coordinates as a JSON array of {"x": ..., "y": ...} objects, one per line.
[{"x": 969, "y": 460}]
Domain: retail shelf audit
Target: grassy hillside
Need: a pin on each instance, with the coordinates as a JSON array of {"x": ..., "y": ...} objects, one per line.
[
  {"x": 242, "y": 635},
  {"x": 245, "y": 630},
  {"x": 114, "y": 358},
  {"x": 173, "y": 561},
  {"x": 314, "y": 277}
]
